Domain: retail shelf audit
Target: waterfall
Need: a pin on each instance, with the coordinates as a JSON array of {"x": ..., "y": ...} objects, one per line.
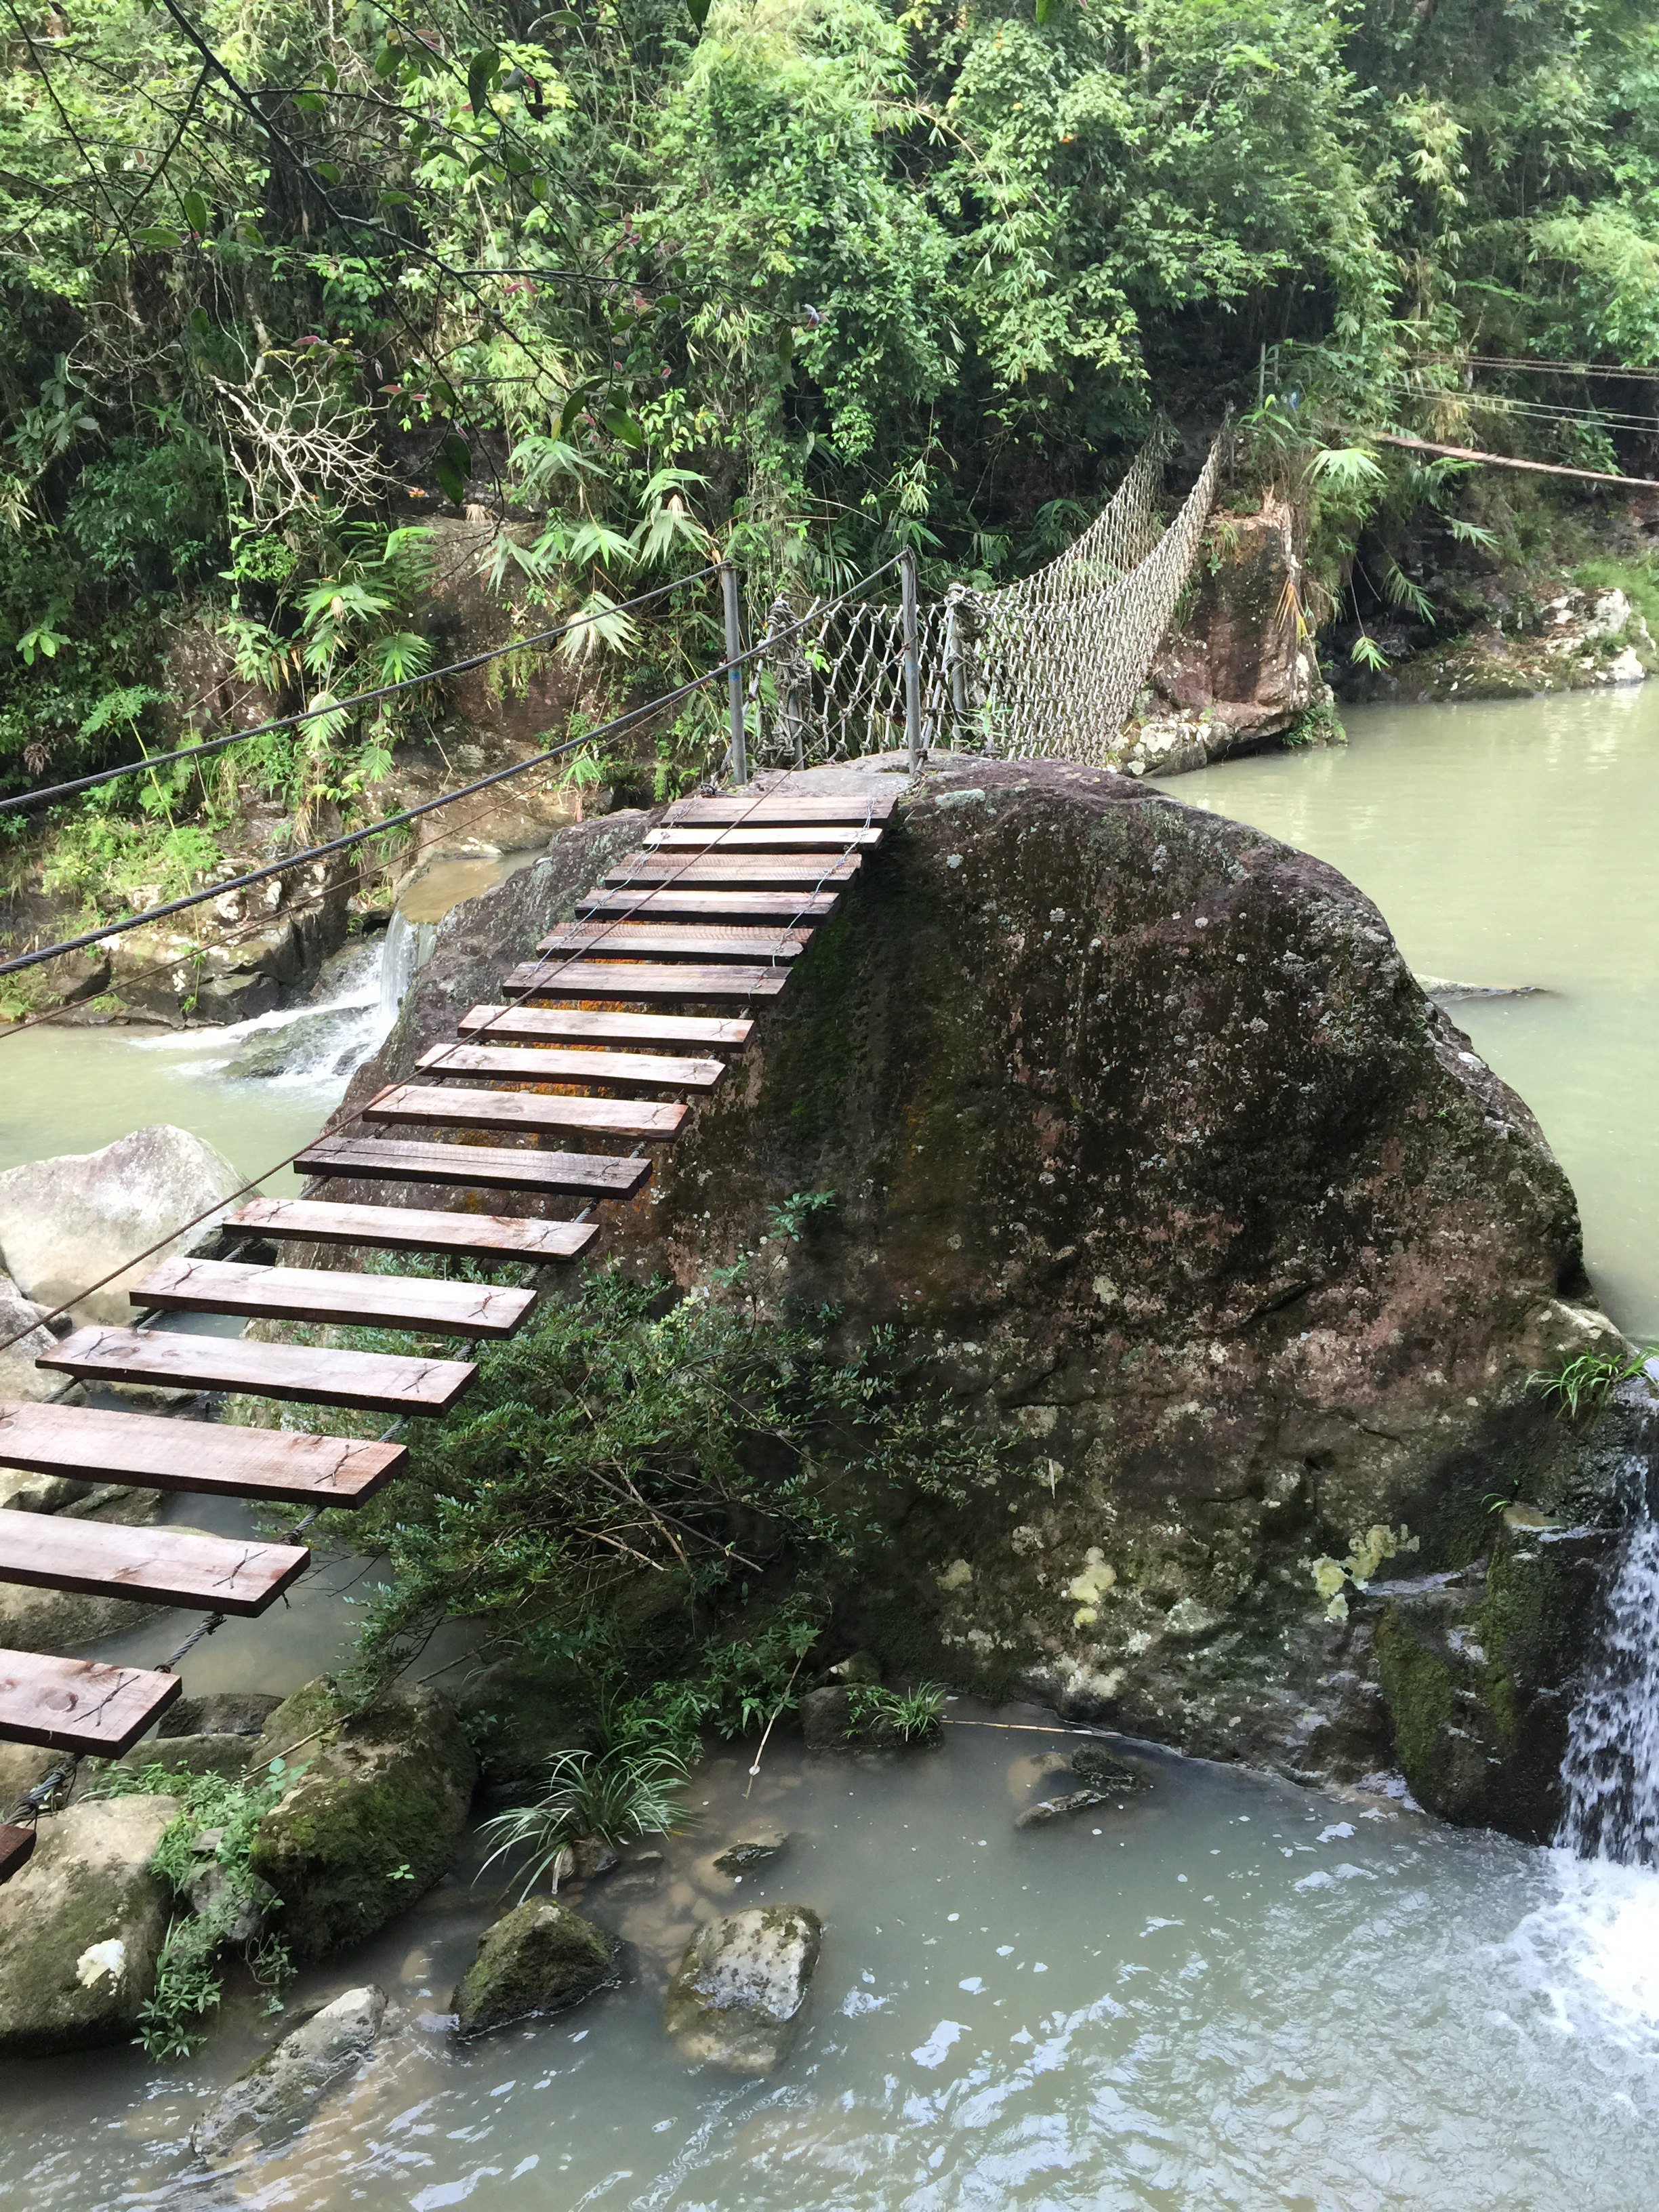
[
  {"x": 1610, "y": 1774},
  {"x": 405, "y": 950}
]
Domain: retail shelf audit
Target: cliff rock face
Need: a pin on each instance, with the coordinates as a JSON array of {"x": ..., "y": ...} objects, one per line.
[{"x": 1143, "y": 1138}]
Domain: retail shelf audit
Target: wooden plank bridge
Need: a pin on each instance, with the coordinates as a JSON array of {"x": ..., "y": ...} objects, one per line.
[{"x": 713, "y": 910}]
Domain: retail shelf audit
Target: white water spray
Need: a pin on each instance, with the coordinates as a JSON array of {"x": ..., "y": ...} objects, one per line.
[{"x": 1610, "y": 1774}]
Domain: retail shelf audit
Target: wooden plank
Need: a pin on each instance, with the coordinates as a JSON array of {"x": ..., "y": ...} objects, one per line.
[
  {"x": 322, "y": 1294},
  {"x": 773, "y": 809},
  {"x": 545, "y": 1064},
  {"x": 497, "y": 1025},
  {"x": 159, "y": 1566},
  {"x": 75, "y": 1705},
  {"x": 529, "y": 1110},
  {"x": 831, "y": 843},
  {"x": 651, "y": 903},
  {"x": 639, "y": 979},
  {"x": 413, "y": 1228},
  {"x": 626, "y": 940},
  {"x": 16, "y": 1848},
  {"x": 483, "y": 1167},
  {"x": 93, "y": 1444},
  {"x": 375, "y": 1382},
  {"x": 757, "y": 870}
]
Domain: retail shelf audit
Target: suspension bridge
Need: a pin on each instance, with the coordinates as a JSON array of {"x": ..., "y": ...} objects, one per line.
[{"x": 601, "y": 1042}]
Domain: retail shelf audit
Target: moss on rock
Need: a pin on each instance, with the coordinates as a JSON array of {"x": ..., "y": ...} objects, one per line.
[
  {"x": 539, "y": 1958},
  {"x": 372, "y": 1818}
]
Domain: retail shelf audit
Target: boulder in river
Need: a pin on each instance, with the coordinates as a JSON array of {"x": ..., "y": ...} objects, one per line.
[
  {"x": 1188, "y": 1207},
  {"x": 737, "y": 1994},
  {"x": 82, "y": 1928},
  {"x": 539, "y": 1958},
  {"x": 279, "y": 2094},
  {"x": 372, "y": 1818},
  {"x": 68, "y": 1221},
  {"x": 24, "y": 1321}
]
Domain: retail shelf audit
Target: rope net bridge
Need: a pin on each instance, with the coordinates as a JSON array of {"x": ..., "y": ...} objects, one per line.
[
  {"x": 1048, "y": 667},
  {"x": 596, "y": 1051}
]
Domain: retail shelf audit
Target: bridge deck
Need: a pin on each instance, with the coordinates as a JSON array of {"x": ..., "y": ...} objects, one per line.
[{"x": 718, "y": 906}]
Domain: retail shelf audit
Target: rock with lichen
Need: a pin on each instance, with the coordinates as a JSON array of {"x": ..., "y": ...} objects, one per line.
[
  {"x": 1190, "y": 1212},
  {"x": 737, "y": 1994}
]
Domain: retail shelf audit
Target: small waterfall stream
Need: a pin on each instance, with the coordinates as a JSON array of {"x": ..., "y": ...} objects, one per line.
[{"x": 1611, "y": 1771}]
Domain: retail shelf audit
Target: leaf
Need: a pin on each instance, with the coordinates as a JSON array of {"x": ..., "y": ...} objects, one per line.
[
  {"x": 698, "y": 11},
  {"x": 623, "y": 427},
  {"x": 310, "y": 103},
  {"x": 576, "y": 401},
  {"x": 328, "y": 171},
  {"x": 1044, "y": 10},
  {"x": 388, "y": 59},
  {"x": 481, "y": 73},
  {"x": 160, "y": 236},
  {"x": 201, "y": 322},
  {"x": 196, "y": 210},
  {"x": 452, "y": 467}
]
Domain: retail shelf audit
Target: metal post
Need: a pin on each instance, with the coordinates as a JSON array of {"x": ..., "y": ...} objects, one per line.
[
  {"x": 736, "y": 759},
  {"x": 912, "y": 659}
]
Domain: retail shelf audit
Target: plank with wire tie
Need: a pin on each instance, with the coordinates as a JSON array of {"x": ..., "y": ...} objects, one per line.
[
  {"x": 646, "y": 903},
  {"x": 527, "y": 1110},
  {"x": 640, "y": 978},
  {"x": 829, "y": 841},
  {"x": 622, "y": 940},
  {"x": 78, "y": 1705},
  {"x": 771, "y": 810},
  {"x": 157, "y": 1566},
  {"x": 16, "y": 1848},
  {"x": 372, "y": 1382},
  {"x": 585, "y": 1024},
  {"x": 482, "y": 1167},
  {"x": 414, "y": 1229},
  {"x": 325, "y": 1294},
  {"x": 547, "y": 1064},
  {"x": 751, "y": 871},
  {"x": 92, "y": 1443}
]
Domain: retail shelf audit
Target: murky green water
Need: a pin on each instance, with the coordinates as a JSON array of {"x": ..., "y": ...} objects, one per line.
[
  {"x": 1514, "y": 842},
  {"x": 1234, "y": 1995}
]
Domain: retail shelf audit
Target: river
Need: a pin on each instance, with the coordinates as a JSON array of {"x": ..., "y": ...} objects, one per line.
[{"x": 1235, "y": 1994}]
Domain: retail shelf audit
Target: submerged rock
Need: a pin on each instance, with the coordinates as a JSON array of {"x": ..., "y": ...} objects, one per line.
[
  {"x": 736, "y": 1997},
  {"x": 754, "y": 1852},
  {"x": 82, "y": 1928},
  {"x": 25, "y": 1335},
  {"x": 539, "y": 1958},
  {"x": 1059, "y": 1808},
  {"x": 374, "y": 1814},
  {"x": 279, "y": 2094},
  {"x": 225, "y": 1712},
  {"x": 66, "y": 1222},
  {"x": 1096, "y": 1769}
]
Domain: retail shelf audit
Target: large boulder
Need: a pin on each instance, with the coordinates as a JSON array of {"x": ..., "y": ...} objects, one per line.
[
  {"x": 278, "y": 2093},
  {"x": 539, "y": 1958},
  {"x": 1186, "y": 1202},
  {"x": 67, "y": 1222},
  {"x": 82, "y": 1928},
  {"x": 23, "y": 1333},
  {"x": 372, "y": 1818},
  {"x": 737, "y": 1994}
]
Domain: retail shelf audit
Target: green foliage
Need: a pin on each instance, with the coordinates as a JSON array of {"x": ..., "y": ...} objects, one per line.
[
  {"x": 914, "y": 1717},
  {"x": 630, "y": 1787},
  {"x": 189, "y": 1979},
  {"x": 800, "y": 1207},
  {"x": 1582, "y": 1382}
]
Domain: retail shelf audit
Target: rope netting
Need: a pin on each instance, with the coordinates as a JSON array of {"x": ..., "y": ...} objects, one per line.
[{"x": 1050, "y": 665}]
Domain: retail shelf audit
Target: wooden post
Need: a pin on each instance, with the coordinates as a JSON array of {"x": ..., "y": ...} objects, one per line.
[
  {"x": 736, "y": 757},
  {"x": 912, "y": 658}
]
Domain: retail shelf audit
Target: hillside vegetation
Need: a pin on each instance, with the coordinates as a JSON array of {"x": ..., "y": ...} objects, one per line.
[{"x": 800, "y": 279}]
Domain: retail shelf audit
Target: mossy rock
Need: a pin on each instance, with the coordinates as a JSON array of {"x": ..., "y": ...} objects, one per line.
[
  {"x": 372, "y": 1818},
  {"x": 539, "y": 1958}
]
